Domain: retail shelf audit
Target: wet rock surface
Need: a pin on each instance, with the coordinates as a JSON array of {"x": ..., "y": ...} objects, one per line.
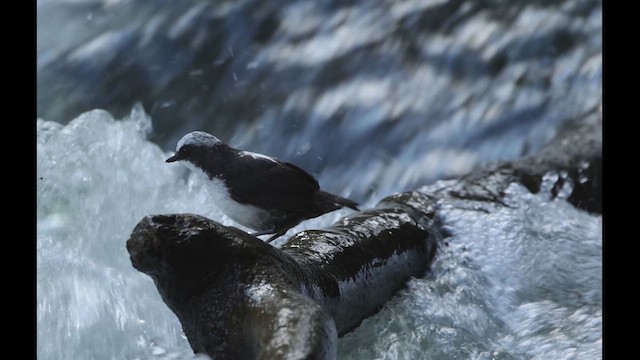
[{"x": 238, "y": 297}]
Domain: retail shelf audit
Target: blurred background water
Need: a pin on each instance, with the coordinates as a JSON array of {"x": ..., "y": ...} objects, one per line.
[{"x": 372, "y": 97}]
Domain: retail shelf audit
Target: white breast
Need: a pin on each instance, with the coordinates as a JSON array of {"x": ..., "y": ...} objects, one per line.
[{"x": 246, "y": 215}]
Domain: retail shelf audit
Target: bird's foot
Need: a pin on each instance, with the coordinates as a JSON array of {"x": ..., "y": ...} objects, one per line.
[
  {"x": 277, "y": 232},
  {"x": 276, "y": 235}
]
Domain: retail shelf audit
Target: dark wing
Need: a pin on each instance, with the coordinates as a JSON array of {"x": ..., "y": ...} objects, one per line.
[{"x": 271, "y": 183}]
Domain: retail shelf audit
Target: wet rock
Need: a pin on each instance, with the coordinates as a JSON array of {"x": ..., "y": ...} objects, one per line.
[
  {"x": 240, "y": 298},
  {"x": 236, "y": 297},
  {"x": 571, "y": 164}
]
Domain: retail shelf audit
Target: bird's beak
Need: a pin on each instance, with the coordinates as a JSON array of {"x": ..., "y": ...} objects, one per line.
[{"x": 172, "y": 159}]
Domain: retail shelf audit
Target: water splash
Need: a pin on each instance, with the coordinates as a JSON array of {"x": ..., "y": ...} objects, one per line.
[
  {"x": 518, "y": 282},
  {"x": 96, "y": 178}
]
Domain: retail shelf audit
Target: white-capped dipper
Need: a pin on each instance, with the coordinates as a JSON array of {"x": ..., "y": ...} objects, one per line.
[{"x": 260, "y": 192}]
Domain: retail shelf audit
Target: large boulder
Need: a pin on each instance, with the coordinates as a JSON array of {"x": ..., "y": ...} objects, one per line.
[{"x": 240, "y": 298}]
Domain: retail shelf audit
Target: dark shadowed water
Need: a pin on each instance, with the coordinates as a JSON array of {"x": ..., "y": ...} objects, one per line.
[{"x": 372, "y": 97}]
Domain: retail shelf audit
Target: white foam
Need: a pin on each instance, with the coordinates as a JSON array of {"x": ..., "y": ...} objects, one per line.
[
  {"x": 96, "y": 178},
  {"x": 523, "y": 281}
]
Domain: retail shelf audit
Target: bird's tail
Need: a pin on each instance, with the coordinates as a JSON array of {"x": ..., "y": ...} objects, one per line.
[{"x": 336, "y": 201}]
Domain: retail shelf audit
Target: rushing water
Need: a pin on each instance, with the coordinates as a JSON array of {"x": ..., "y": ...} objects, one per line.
[
  {"x": 518, "y": 282},
  {"x": 372, "y": 97}
]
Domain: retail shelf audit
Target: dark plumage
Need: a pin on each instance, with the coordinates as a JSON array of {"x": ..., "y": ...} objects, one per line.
[{"x": 257, "y": 191}]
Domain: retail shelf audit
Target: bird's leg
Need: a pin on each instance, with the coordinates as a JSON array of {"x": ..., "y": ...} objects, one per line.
[
  {"x": 277, "y": 234},
  {"x": 281, "y": 230}
]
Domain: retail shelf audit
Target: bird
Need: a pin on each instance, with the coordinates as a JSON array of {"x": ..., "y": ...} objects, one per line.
[{"x": 260, "y": 192}]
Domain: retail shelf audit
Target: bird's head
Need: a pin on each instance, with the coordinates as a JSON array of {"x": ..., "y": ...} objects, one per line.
[{"x": 194, "y": 145}]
